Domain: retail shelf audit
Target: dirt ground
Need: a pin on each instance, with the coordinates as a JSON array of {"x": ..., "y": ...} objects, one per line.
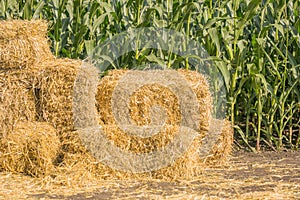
[{"x": 268, "y": 175}]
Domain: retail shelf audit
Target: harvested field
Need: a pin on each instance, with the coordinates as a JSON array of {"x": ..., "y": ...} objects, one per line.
[{"x": 268, "y": 175}]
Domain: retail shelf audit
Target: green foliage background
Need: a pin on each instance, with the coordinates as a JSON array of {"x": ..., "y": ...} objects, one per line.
[{"x": 255, "y": 44}]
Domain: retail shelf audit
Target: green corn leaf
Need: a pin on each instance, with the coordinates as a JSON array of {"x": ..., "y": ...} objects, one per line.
[{"x": 38, "y": 10}]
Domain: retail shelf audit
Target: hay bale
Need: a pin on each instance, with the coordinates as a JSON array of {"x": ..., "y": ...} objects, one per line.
[
  {"x": 17, "y": 98},
  {"x": 56, "y": 82},
  {"x": 222, "y": 148},
  {"x": 154, "y": 94},
  {"x": 187, "y": 166},
  {"x": 190, "y": 164},
  {"x": 77, "y": 162},
  {"x": 23, "y": 43},
  {"x": 140, "y": 107},
  {"x": 30, "y": 149}
]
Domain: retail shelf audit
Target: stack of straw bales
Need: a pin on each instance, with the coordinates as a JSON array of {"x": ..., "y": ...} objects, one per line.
[
  {"x": 36, "y": 90},
  {"x": 57, "y": 81},
  {"x": 23, "y": 45},
  {"x": 24, "y": 142},
  {"x": 190, "y": 164}
]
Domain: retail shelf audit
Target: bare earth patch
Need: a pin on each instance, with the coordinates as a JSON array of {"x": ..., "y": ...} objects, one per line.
[{"x": 268, "y": 175}]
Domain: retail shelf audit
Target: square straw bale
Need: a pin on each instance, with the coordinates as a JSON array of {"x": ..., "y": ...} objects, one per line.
[
  {"x": 190, "y": 164},
  {"x": 221, "y": 150},
  {"x": 78, "y": 163},
  {"x": 23, "y": 43},
  {"x": 155, "y": 94},
  {"x": 17, "y": 98},
  {"x": 56, "y": 82},
  {"x": 31, "y": 148}
]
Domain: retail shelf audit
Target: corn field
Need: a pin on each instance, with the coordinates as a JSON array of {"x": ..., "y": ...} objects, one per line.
[{"x": 255, "y": 44}]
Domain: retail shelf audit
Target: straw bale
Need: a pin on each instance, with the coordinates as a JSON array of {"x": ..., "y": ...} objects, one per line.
[
  {"x": 222, "y": 148},
  {"x": 30, "y": 149},
  {"x": 140, "y": 106},
  {"x": 56, "y": 82},
  {"x": 187, "y": 166},
  {"x": 190, "y": 164},
  {"x": 23, "y": 43},
  {"x": 154, "y": 94},
  {"x": 104, "y": 94},
  {"x": 200, "y": 87},
  {"x": 17, "y": 98},
  {"x": 138, "y": 144},
  {"x": 78, "y": 162}
]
